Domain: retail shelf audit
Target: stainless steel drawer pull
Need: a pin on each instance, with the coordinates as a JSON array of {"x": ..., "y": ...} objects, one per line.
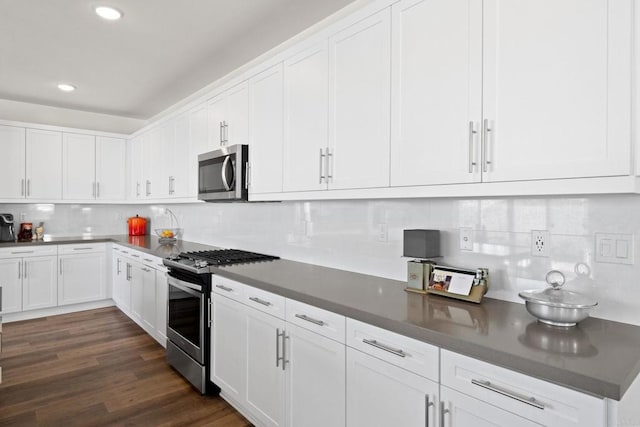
[
  {"x": 443, "y": 412},
  {"x": 391, "y": 350},
  {"x": 322, "y": 161},
  {"x": 21, "y": 252},
  {"x": 260, "y": 301},
  {"x": 278, "y": 358},
  {"x": 485, "y": 157},
  {"x": 427, "y": 405},
  {"x": 24, "y": 272},
  {"x": 135, "y": 256},
  {"x": 224, "y": 288},
  {"x": 146, "y": 269},
  {"x": 528, "y": 400},
  {"x": 82, "y": 249},
  {"x": 147, "y": 259},
  {"x": 310, "y": 319},
  {"x": 472, "y": 134}
]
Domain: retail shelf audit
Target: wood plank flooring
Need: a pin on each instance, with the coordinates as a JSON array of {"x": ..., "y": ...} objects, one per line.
[{"x": 97, "y": 368}]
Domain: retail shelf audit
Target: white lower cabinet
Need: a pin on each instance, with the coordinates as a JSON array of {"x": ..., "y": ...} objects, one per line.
[
  {"x": 82, "y": 273},
  {"x": 382, "y": 394},
  {"x": 460, "y": 410},
  {"x": 10, "y": 271},
  {"x": 143, "y": 296}
]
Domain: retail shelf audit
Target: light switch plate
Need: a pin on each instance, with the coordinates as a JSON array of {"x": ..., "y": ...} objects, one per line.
[{"x": 614, "y": 248}]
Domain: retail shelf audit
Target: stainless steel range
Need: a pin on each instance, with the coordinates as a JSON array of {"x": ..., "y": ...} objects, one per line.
[{"x": 189, "y": 310}]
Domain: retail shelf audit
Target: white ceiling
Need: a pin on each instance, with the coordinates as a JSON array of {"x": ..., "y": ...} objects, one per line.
[{"x": 159, "y": 53}]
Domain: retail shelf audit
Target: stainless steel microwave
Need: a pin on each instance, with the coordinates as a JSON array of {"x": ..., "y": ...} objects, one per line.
[{"x": 223, "y": 174}]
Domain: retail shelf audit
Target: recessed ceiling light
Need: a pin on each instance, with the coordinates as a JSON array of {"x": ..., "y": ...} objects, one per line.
[
  {"x": 65, "y": 87},
  {"x": 109, "y": 13}
]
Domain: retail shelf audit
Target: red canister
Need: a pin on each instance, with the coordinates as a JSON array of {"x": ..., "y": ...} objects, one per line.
[{"x": 137, "y": 226}]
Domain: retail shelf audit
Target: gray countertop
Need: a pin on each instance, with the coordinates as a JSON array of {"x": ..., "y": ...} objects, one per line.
[{"x": 599, "y": 357}]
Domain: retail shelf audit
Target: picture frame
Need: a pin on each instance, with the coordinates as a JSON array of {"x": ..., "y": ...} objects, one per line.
[{"x": 463, "y": 284}]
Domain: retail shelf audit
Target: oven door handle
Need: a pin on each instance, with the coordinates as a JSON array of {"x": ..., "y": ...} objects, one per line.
[{"x": 181, "y": 284}]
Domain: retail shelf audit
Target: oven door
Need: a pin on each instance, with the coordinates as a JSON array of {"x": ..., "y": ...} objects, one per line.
[
  {"x": 187, "y": 314},
  {"x": 222, "y": 174}
]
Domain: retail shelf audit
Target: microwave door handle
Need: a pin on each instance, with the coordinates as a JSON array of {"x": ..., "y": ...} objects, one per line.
[{"x": 225, "y": 164}]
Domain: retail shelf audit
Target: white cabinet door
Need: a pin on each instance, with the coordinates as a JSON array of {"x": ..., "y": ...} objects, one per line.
[
  {"x": 229, "y": 347},
  {"x": 436, "y": 92},
  {"x": 121, "y": 283},
  {"x": 462, "y": 410},
  {"x": 315, "y": 375},
  {"x": 152, "y": 158},
  {"x": 359, "y": 93},
  {"x": 110, "y": 168},
  {"x": 149, "y": 306},
  {"x": 557, "y": 88},
  {"x": 265, "y": 373},
  {"x": 198, "y": 134},
  {"x": 39, "y": 282},
  {"x": 82, "y": 278},
  {"x": 135, "y": 169},
  {"x": 381, "y": 394},
  {"x": 137, "y": 291},
  {"x": 44, "y": 164},
  {"x": 78, "y": 166},
  {"x": 12, "y": 173},
  {"x": 237, "y": 115},
  {"x": 216, "y": 109},
  {"x": 306, "y": 81},
  {"x": 11, "y": 276},
  {"x": 177, "y": 162},
  {"x": 162, "y": 290},
  {"x": 265, "y": 134}
]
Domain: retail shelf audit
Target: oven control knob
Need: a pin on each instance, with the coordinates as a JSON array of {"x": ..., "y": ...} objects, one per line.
[{"x": 201, "y": 264}]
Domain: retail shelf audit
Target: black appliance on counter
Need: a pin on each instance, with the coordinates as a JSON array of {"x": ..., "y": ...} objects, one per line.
[
  {"x": 7, "y": 230},
  {"x": 189, "y": 314}
]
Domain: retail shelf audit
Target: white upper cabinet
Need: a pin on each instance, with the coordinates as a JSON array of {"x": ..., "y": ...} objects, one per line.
[
  {"x": 359, "y": 104},
  {"x": 556, "y": 89},
  {"x": 266, "y": 113},
  {"x": 92, "y": 167},
  {"x": 78, "y": 165},
  {"x": 12, "y": 173},
  {"x": 198, "y": 144},
  {"x": 110, "y": 168},
  {"x": 306, "y": 86},
  {"x": 436, "y": 91},
  {"x": 135, "y": 162},
  {"x": 177, "y": 163},
  {"x": 44, "y": 164},
  {"x": 228, "y": 117}
]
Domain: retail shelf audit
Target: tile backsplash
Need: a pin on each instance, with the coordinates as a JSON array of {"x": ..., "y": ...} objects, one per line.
[{"x": 346, "y": 235}]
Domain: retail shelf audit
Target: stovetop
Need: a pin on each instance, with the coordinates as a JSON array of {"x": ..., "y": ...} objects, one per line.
[{"x": 202, "y": 261}]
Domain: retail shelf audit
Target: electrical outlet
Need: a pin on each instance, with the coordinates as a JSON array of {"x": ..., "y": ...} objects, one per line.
[
  {"x": 466, "y": 239},
  {"x": 23, "y": 216},
  {"x": 614, "y": 248},
  {"x": 540, "y": 243},
  {"x": 383, "y": 232}
]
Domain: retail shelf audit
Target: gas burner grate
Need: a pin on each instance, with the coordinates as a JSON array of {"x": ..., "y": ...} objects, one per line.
[{"x": 227, "y": 256}]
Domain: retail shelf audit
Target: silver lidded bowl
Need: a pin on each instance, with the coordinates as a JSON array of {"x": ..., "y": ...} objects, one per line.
[{"x": 555, "y": 306}]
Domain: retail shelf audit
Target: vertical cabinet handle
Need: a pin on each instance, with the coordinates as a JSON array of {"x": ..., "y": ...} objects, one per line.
[
  {"x": 24, "y": 273},
  {"x": 209, "y": 314},
  {"x": 28, "y": 187},
  {"x": 118, "y": 266},
  {"x": 427, "y": 405},
  {"x": 137, "y": 188},
  {"x": 443, "y": 412},
  {"x": 322, "y": 162},
  {"x": 221, "y": 136},
  {"x": 247, "y": 175},
  {"x": 148, "y": 188},
  {"x": 22, "y": 192},
  {"x": 61, "y": 266},
  {"x": 329, "y": 168},
  {"x": 284, "y": 350},
  {"x": 226, "y": 132},
  {"x": 472, "y": 136},
  {"x": 486, "y": 136},
  {"x": 277, "y": 347},
  {"x": 19, "y": 270}
]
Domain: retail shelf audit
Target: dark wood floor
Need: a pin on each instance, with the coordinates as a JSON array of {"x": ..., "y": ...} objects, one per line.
[{"x": 97, "y": 368}]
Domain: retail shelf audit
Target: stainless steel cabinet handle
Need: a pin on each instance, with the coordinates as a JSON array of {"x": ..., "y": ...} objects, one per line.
[
  {"x": 137, "y": 188},
  {"x": 61, "y": 266},
  {"x": 278, "y": 348},
  {"x": 485, "y": 160},
  {"x": 528, "y": 400},
  {"x": 310, "y": 319},
  {"x": 21, "y": 252},
  {"x": 28, "y": 187},
  {"x": 209, "y": 313},
  {"x": 260, "y": 301},
  {"x": 146, "y": 269},
  {"x": 24, "y": 275},
  {"x": 427, "y": 405},
  {"x": 472, "y": 135},
  {"x": 322, "y": 161},
  {"x": 147, "y": 259},
  {"x": 118, "y": 261},
  {"x": 148, "y": 188},
  {"x": 82, "y": 249},
  {"x": 225, "y": 126},
  {"x": 128, "y": 272},
  {"x": 224, "y": 288},
  {"x": 19, "y": 270},
  {"x": 135, "y": 256},
  {"x": 391, "y": 350},
  {"x": 443, "y": 412},
  {"x": 22, "y": 187},
  {"x": 329, "y": 167},
  {"x": 284, "y": 350},
  {"x": 221, "y": 137}
]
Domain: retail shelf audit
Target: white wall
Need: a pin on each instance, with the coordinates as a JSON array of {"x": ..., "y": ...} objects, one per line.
[{"x": 344, "y": 235}]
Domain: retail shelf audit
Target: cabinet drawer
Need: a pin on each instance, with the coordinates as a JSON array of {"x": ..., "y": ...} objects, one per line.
[
  {"x": 537, "y": 400},
  {"x": 408, "y": 353},
  {"x": 264, "y": 301},
  {"x": 323, "y": 322},
  {"x": 228, "y": 288},
  {"x": 28, "y": 251},
  {"x": 81, "y": 248}
]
